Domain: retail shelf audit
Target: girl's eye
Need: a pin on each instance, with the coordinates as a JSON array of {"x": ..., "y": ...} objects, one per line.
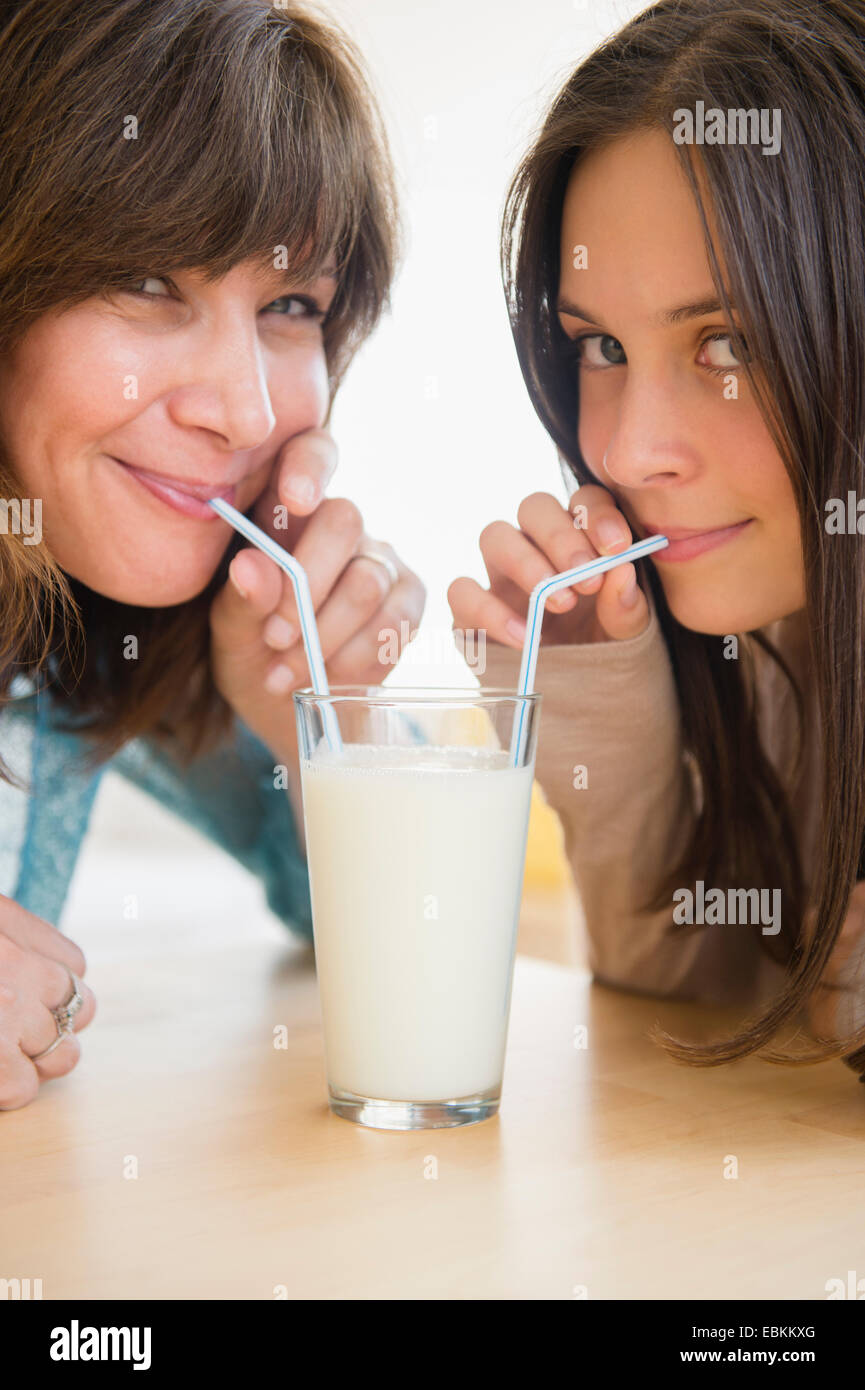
[
  {"x": 717, "y": 354},
  {"x": 600, "y": 350}
]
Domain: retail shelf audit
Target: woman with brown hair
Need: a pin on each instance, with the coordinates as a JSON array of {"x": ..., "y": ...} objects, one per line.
[
  {"x": 198, "y": 231},
  {"x": 683, "y": 263}
]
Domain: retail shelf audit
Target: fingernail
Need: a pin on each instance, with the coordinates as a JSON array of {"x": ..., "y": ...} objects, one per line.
[
  {"x": 562, "y": 600},
  {"x": 301, "y": 490},
  {"x": 242, "y": 592},
  {"x": 516, "y": 627},
  {"x": 610, "y": 532},
  {"x": 629, "y": 595},
  {"x": 279, "y": 680},
  {"x": 278, "y": 631}
]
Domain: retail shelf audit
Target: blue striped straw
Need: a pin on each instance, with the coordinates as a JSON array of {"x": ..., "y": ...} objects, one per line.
[
  {"x": 537, "y": 599},
  {"x": 297, "y": 575}
]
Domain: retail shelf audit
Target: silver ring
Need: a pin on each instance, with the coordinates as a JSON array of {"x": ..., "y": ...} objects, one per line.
[
  {"x": 380, "y": 559},
  {"x": 63, "y": 1016}
]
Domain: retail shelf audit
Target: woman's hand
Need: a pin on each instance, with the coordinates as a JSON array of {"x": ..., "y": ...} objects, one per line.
[
  {"x": 257, "y": 653},
  {"x": 34, "y": 957},
  {"x": 609, "y": 607}
]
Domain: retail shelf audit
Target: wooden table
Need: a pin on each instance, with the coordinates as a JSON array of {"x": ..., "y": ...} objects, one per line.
[{"x": 602, "y": 1176}]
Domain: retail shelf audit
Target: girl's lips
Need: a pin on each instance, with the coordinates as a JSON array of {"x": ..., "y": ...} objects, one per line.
[
  {"x": 173, "y": 495},
  {"x": 697, "y": 545}
]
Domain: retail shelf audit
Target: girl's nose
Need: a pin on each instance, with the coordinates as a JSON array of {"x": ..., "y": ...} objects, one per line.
[{"x": 652, "y": 440}]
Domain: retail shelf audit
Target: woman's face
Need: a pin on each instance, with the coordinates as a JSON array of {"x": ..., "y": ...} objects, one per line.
[
  {"x": 667, "y": 421},
  {"x": 201, "y": 383}
]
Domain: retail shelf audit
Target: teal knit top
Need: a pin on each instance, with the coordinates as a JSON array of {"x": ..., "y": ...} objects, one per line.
[{"x": 229, "y": 795}]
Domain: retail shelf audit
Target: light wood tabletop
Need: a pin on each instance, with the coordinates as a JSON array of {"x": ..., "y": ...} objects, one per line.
[{"x": 188, "y": 1158}]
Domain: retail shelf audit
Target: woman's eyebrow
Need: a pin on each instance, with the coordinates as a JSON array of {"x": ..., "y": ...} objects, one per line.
[
  {"x": 327, "y": 273},
  {"x": 291, "y": 279},
  {"x": 669, "y": 316}
]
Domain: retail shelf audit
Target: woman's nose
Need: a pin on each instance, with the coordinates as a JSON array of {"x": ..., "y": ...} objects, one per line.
[{"x": 227, "y": 392}]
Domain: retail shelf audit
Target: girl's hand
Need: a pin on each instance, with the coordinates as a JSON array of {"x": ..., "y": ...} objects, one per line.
[
  {"x": 34, "y": 957},
  {"x": 257, "y": 653},
  {"x": 610, "y": 607}
]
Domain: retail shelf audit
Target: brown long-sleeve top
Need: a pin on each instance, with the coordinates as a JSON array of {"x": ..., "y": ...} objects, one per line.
[{"x": 613, "y": 708}]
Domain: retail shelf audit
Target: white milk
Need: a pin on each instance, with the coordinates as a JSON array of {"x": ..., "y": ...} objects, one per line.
[{"x": 416, "y": 862}]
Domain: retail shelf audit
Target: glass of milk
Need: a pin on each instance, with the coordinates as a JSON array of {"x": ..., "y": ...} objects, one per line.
[{"x": 416, "y": 839}]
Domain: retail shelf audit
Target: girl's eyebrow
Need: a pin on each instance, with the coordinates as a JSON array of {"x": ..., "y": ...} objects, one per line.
[{"x": 668, "y": 316}]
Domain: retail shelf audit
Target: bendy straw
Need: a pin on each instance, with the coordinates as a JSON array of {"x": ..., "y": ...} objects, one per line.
[
  {"x": 537, "y": 599},
  {"x": 300, "y": 583}
]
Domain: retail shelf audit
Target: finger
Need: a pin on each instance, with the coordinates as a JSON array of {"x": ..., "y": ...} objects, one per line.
[
  {"x": 48, "y": 984},
  {"x": 515, "y": 565},
  {"x": 330, "y": 538},
  {"x": 551, "y": 527},
  {"x": 65, "y": 1056},
  {"x": 33, "y": 933},
  {"x": 621, "y": 607},
  {"x": 305, "y": 466},
  {"x": 19, "y": 1077},
  {"x": 477, "y": 609},
  {"x": 357, "y": 595},
  {"x": 607, "y": 527},
  {"x": 253, "y": 590},
  {"x": 373, "y": 651},
  {"x": 370, "y": 650}
]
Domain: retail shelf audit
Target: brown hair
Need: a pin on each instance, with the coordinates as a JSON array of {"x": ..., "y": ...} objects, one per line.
[
  {"x": 257, "y": 129},
  {"x": 791, "y": 228}
]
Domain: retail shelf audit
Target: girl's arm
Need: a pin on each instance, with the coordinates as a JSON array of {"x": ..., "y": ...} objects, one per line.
[
  {"x": 610, "y": 756},
  {"x": 231, "y": 796},
  {"x": 611, "y": 764}
]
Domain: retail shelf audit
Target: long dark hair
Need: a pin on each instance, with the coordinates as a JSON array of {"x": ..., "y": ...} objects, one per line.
[
  {"x": 791, "y": 231},
  {"x": 257, "y": 129}
]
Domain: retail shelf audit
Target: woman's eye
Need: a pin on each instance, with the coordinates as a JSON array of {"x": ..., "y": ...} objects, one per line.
[
  {"x": 600, "y": 350},
  {"x": 718, "y": 353},
  {"x": 293, "y": 306},
  {"x": 305, "y": 308},
  {"x": 139, "y": 286}
]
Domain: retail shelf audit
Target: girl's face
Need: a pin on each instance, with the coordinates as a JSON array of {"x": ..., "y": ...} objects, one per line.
[
  {"x": 199, "y": 383},
  {"x": 667, "y": 420}
]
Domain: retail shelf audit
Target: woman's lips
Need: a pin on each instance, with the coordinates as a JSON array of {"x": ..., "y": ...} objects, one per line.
[
  {"x": 173, "y": 495},
  {"x": 692, "y": 546}
]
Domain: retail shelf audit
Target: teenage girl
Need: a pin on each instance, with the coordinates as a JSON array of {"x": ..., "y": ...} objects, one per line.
[{"x": 690, "y": 322}]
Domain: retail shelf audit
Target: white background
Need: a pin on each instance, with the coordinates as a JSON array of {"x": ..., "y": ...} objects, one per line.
[{"x": 436, "y": 433}]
